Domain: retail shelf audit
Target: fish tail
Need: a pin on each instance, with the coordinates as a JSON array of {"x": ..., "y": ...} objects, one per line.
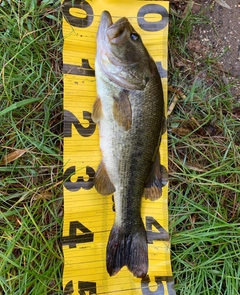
[{"x": 127, "y": 248}]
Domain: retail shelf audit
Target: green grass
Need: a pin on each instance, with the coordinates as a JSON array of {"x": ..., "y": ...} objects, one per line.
[
  {"x": 31, "y": 208},
  {"x": 204, "y": 157}
]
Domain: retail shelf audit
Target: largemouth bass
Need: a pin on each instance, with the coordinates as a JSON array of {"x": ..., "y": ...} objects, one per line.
[{"x": 129, "y": 110}]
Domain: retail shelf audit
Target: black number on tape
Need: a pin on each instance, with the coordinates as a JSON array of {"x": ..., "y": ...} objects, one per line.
[
  {"x": 152, "y": 26},
  {"x": 170, "y": 286},
  {"x": 84, "y": 70},
  {"x": 145, "y": 286},
  {"x": 159, "y": 284},
  {"x": 84, "y": 20},
  {"x": 73, "y": 239},
  {"x": 113, "y": 205},
  {"x": 70, "y": 119},
  {"x": 85, "y": 288},
  {"x": 161, "y": 235},
  {"x": 163, "y": 73},
  {"x": 80, "y": 183},
  {"x": 68, "y": 290}
]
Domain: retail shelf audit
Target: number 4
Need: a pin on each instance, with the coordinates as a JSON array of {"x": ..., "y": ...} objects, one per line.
[
  {"x": 161, "y": 235},
  {"x": 73, "y": 239}
]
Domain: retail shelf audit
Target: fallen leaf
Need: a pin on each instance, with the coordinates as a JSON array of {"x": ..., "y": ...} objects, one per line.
[
  {"x": 172, "y": 105},
  {"x": 181, "y": 131},
  {"x": 177, "y": 95},
  {"x": 223, "y": 3},
  {"x": 13, "y": 156},
  {"x": 46, "y": 195},
  {"x": 195, "y": 167}
]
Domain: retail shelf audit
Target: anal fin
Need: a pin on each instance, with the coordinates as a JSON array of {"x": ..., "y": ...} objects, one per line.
[
  {"x": 102, "y": 182},
  {"x": 158, "y": 178}
]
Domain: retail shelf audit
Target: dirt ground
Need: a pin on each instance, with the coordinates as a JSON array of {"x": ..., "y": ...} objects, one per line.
[
  {"x": 219, "y": 38},
  {"x": 223, "y": 37}
]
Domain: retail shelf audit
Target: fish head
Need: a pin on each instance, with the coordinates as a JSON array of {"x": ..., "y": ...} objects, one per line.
[{"x": 121, "y": 53}]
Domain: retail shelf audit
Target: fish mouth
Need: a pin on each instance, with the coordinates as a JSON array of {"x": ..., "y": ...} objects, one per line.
[
  {"x": 117, "y": 31},
  {"x": 105, "y": 23},
  {"x": 112, "y": 32}
]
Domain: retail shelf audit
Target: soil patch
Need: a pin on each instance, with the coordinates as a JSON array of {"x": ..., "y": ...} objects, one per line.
[
  {"x": 222, "y": 36},
  {"x": 217, "y": 39}
]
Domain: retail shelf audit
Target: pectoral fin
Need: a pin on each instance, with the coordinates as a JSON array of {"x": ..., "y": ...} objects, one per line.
[
  {"x": 158, "y": 178},
  {"x": 102, "y": 182},
  {"x": 97, "y": 110},
  {"x": 122, "y": 111}
]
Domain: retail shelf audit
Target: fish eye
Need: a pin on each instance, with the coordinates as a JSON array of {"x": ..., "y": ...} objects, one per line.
[{"x": 134, "y": 36}]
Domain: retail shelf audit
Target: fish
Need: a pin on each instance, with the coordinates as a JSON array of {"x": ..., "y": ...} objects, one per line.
[{"x": 129, "y": 111}]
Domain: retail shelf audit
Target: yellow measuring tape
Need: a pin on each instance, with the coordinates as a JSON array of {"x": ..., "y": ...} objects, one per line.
[{"x": 88, "y": 216}]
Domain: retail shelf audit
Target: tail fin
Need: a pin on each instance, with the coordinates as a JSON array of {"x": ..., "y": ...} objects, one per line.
[{"x": 127, "y": 248}]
